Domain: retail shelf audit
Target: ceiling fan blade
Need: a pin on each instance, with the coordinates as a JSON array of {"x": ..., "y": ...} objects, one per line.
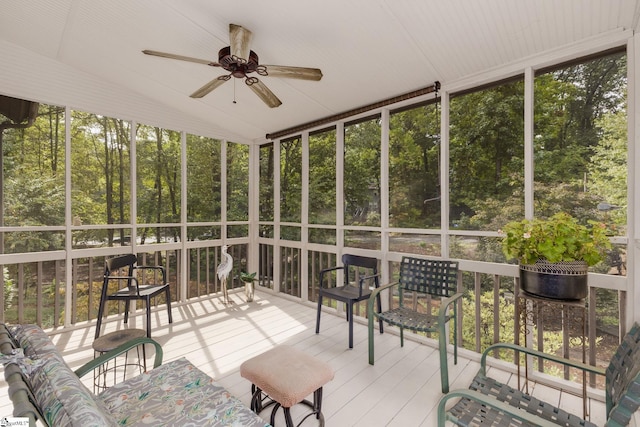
[
  {"x": 240, "y": 39},
  {"x": 263, "y": 92},
  {"x": 302, "y": 73},
  {"x": 180, "y": 57},
  {"x": 204, "y": 90}
]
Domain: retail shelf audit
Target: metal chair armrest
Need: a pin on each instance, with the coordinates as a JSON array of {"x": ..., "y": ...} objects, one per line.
[
  {"x": 444, "y": 305},
  {"x": 572, "y": 363},
  {"x": 488, "y": 401},
  {"x": 328, "y": 270},
  {"x": 133, "y": 280},
  {"x": 363, "y": 278},
  {"x": 372, "y": 299},
  {"x": 104, "y": 358},
  {"x": 153, "y": 267}
]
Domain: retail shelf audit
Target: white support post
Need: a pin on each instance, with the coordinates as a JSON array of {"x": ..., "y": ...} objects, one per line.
[
  {"x": 184, "y": 256},
  {"x": 68, "y": 220},
  {"x": 276, "y": 217},
  {"x": 444, "y": 174},
  {"x": 529, "y": 76},
  {"x": 304, "y": 226},
  {"x": 253, "y": 252},
  {"x": 633, "y": 189}
]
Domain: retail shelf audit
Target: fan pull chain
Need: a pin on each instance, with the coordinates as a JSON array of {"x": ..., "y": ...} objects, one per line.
[{"x": 234, "y": 91}]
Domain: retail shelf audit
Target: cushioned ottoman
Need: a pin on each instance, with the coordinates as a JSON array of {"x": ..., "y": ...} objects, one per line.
[{"x": 286, "y": 376}]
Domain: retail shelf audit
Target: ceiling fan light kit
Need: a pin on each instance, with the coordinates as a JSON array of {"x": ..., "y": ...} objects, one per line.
[{"x": 239, "y": 60}]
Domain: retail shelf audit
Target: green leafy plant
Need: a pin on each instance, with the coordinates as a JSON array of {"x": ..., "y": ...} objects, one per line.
[
  {"x": 558, "y": 238},
  {"x": 247, "y": 278}
]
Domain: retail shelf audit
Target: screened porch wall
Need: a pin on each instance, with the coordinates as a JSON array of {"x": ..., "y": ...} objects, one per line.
[{"x": 255, "y": 190}]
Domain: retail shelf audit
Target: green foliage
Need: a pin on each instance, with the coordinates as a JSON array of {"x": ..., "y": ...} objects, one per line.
[
  {"x": 266, "y": 182},
  {"x": 608, "y": 166},
  {"x": 203, "y": 179},
  {"x": 414, "y": 167},
  {"x": 322, "y": 178},
  {"x": 158, "y": 170},
  {"x": 487, "y": 150},
  {"x": 248, "y": 278},
  {"x": 505, "y": 318},
  {"x": 362, "y": 172},
  {"x": 291, "y": 180},
  {"x": 237, "y": 182},
  {"x": 100, "y": 176},
  {"x": 559, "y": 238},
  {"x": 487, "y": 318}
]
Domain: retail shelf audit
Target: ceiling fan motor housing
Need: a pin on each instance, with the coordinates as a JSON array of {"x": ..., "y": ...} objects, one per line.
[{"x": 238, "y": 67}]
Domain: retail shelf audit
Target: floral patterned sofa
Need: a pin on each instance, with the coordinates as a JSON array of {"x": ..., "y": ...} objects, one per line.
[{"x": 42, "y": 386}]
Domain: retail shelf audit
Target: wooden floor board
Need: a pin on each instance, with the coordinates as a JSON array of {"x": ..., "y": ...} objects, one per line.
[{"x": 402, "y": 388}]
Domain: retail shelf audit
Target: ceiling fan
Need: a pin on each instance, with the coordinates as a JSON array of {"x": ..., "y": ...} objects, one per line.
[{"x": 240, "y": 62}]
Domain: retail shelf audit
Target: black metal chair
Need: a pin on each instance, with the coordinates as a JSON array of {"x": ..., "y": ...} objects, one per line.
[
  {"x": 365, "y": 271},
  {"x": 135, "y": 288}
]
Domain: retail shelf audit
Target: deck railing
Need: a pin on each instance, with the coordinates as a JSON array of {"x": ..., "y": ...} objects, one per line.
[{"x": 35, "y": 291}]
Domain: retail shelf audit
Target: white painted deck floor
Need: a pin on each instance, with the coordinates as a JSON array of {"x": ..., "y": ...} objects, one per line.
[{"x": 401, "y": 389}]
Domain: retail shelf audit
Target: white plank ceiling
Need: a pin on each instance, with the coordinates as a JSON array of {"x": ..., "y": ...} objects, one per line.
[{"x": 87, "y": 53}]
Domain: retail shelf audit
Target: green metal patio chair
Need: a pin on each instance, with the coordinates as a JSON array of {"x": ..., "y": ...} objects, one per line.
[
  {"x": 437, "y": 281},
  {"x": 488, "y": 402}
]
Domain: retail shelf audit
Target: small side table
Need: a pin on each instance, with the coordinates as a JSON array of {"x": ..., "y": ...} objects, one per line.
[
  {"x": 109, "y": 342},
  {"x": 573, "y": 313}
]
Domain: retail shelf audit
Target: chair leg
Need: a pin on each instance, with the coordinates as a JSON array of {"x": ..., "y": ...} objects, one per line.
[
  {"x": 444, "y": 367},
  {"x": 350, "y": 316},
  {"x": 168, "y": 297},
  {"x": 99, "y": 319},
  {"x": 148, "y": 300},
  {"x": 318, "y": 314},
  {"x": 455, "y": 339},
  {"x": 380, "y": 322},
  {"x": 126, "y": 311},
  {"x": 370, "y": 328}
]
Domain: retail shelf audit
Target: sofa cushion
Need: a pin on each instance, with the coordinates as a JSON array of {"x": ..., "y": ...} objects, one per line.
[
  {"x": 33, "y": 340},
  {"x": 176, "y": 390},
  {"x": 61, "y": 396}
]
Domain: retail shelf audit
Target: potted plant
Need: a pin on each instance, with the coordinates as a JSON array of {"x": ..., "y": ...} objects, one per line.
[
  {"x": 248, "y": 279},
  {"x": 555, "y": 253}
]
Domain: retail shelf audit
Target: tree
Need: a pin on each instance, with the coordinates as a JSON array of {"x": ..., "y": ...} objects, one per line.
[
  {"x": 362, "y": 172},
  {"x": 158, "y": 168},
  {"x": 203, "y": 179},
  {"x": 487, "y": 150},
  {"x": 237, "y": 182},
  {"x": 608, "y": 165},
  {"x": 291, "y": 180},
  {"x": 414, "y": 167},
  {"x": 322, "y": 177}
]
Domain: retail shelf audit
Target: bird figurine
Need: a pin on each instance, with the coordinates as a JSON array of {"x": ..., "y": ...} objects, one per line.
[{"x": 223, "y": 271}]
